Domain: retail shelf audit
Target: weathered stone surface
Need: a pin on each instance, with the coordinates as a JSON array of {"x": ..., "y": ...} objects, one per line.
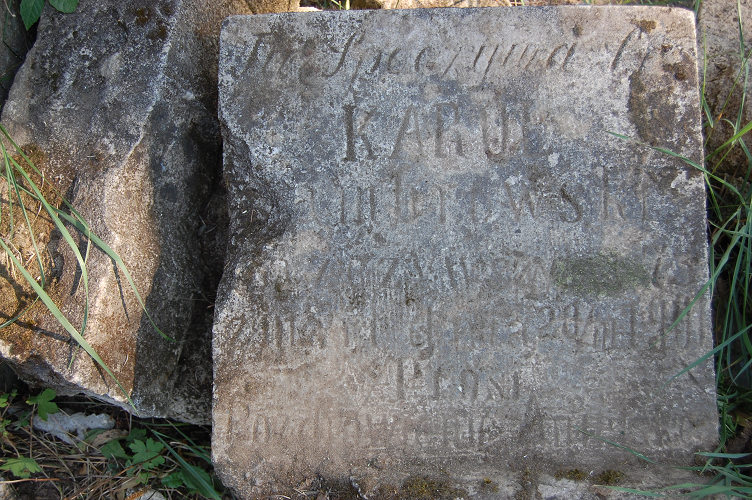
[
  {"x": 117, "y": 105},
  {"x": 440, "y": 262},
  {"x": 428, "y": 4},
  {"x": 273, "y": 6},
  {"x": 718, "y": 34}
]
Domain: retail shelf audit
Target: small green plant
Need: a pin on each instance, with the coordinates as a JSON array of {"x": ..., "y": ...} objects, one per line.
[
  {"x": 22, "y": 466},
  {"x": 4, "y": 422},
  {"x": 150, "y": 456},
  {"x": 151, "y": 459},
  {"x": 43, "y": 403},
  {"x": 32, "y": 9}
]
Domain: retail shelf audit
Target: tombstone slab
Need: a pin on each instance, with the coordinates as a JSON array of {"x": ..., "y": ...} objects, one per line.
[{"x": 441, "y": 261}]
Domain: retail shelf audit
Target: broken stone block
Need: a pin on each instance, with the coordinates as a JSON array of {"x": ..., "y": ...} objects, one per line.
[
  {"x": 441, "y": 263},
  {"x": 116, "y": 104}
]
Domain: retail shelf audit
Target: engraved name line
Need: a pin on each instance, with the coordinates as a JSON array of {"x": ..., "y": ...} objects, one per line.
[
  {"x": 468, "y": 431},
  {"x": 391, "y": 203},
  {"x": 440, "y": 130},
  {"x": 428, "y": 331},
  {"x": 281, "y": 55}
]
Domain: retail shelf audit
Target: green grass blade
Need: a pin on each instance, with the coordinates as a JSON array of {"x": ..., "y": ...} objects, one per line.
[
  {"x": 68, "y": 239},
  {"x": 197, "y": 450},
  {"x": 723, "y": 455},
  {"x": 16, "y": 317},
  {"x": 686, "y": 310},
  {"x": 635, "y": 453},
  {"x": 99, "y": 243},
  {"x": 64, "y": 321},
  {"x": 708, "y": 354},
  {"x": 26, "y": 218},
  {"x": 734, "y": 137},
  {"x": 188, "y": 467},
  {"x": 9, "y": 180},
  {"x": 703, "y": 491},
  {"x": 644, "y": 493},
  {"x": 81, "y": 226}
]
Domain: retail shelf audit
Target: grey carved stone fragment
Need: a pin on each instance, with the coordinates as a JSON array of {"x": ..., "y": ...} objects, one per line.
[
  {"x": 116, "y": 103},
  {"x": 441, "y": 263}
]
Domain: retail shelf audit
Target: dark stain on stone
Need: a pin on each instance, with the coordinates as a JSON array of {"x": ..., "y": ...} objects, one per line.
[
  {"x": 55, "y": 81},
  {"x": 646, "y": 25},
  {"x": 169, "y": 192},
  {"x": 650, "y": 112},
  {"x": 166, "y": 9},
  {"x": 142, "y": 16},
  {"x": 599, "y": 275},
  {"x": 159, "y": 33},
  {"x": 283, "y": 291},
  {"x": 577, "y": 30},
  {"x": 679, "y": 70}
]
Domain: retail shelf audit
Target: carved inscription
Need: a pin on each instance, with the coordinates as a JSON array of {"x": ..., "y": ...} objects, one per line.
[{"x": 283, "y": 56}]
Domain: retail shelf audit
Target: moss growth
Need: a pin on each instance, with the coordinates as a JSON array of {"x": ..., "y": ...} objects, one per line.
[
  {"x": 609, "y": 477},
  {"x": 15, "y": 293},
  {"x": 489, "y": 485},
  {"x": 600, "y": 275},
  {"x": 572, "y": 475},
  {"x": 33, "y": 151},
  {"x": 425, "y": 488}
]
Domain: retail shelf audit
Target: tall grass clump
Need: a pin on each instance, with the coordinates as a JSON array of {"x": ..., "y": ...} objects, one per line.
[
  {"x": 728, "y": 177},
  {"x": 24, "y": 186}
]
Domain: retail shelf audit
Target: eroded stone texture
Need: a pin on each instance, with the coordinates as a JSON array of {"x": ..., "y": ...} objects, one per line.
[
  {"x": 116, "y": 104},
  {"x": 441, "y": 262},
  {"x": 426, "y": 4},
  {"x": 273, "y": 6}
]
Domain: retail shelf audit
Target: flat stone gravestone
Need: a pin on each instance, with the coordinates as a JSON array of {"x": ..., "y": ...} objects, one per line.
[{"x": 441, "y": 261}]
